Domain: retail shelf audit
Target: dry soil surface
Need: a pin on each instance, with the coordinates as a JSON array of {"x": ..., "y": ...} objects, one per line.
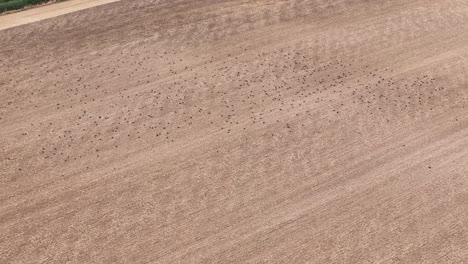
[{"x": 268, "y": 131}]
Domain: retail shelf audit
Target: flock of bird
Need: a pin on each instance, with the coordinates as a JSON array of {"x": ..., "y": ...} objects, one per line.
[{"x": 147, "y": 96}]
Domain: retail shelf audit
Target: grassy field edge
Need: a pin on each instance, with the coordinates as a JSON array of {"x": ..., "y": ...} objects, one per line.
[{"x": 12, "y": 5}]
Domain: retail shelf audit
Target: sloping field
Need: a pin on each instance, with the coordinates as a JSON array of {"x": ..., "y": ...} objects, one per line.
[{"x": 236, "y": 132}]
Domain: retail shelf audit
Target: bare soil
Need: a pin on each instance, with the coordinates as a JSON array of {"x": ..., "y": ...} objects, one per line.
[{"x": 236, "y": 132}]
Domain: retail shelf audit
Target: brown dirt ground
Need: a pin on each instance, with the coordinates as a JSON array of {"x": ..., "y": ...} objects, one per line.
[{"x": 237, "y": 132}]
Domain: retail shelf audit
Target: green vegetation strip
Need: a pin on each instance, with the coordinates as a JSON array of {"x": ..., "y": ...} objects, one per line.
[{"x": 7, "y": 5}]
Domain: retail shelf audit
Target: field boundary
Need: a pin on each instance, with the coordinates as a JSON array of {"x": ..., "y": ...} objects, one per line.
[{"x": 39, "y": 13}]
